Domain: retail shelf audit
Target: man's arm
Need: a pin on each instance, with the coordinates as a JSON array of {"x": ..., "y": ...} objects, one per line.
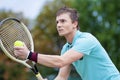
[
  {"x": 50, "y": 60},
  {"x": 59, "y": 61},
  {"x": 63, "y": 73}
]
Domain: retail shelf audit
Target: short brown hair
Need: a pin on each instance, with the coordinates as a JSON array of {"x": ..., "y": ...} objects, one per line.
[{"x": 73, "y": 13}]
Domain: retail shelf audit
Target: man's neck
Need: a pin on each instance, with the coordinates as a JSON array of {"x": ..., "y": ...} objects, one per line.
[{"x": 70, "y": 36}]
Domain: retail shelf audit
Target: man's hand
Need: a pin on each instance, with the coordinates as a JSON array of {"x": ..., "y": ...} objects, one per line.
[{"x": 21, "y": 51}]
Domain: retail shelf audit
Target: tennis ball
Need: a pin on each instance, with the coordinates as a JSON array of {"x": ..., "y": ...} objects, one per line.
[{"x": 18, "y": 43}]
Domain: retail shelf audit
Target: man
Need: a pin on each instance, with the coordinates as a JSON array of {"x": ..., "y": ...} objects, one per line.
[{"x": 82, "y": 50}]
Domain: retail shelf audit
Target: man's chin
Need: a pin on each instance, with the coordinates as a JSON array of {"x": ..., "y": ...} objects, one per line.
[{"x": 61, "y": 34}]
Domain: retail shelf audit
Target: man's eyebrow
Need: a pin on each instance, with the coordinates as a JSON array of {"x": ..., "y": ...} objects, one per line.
[{"x": 61, "y": 20}]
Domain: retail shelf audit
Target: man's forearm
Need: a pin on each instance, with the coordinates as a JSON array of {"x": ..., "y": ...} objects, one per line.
[
  {"x": 60, "y": 78},
  {"x": 50, "y": 60},
  {"x": 64, "y": 73}
]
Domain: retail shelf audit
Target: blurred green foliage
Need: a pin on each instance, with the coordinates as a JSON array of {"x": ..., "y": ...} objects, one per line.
[{"x": 99, "y": 17}]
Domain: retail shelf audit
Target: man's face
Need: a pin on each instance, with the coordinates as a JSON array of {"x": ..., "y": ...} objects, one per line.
[{"x": 65, "y": 26}]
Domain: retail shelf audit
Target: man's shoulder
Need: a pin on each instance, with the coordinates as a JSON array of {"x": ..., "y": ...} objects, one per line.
[
  {"x": 65, "y": 45},
  {"x": 84, "y": 35},
  {"x": 85, "y": 38},
  {"x": 64, "y": 48}
]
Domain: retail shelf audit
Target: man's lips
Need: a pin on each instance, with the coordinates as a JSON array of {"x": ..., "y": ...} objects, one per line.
[{"x": 60, "y": 30}]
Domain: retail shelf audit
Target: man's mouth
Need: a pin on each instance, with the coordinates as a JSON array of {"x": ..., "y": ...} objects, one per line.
[{"x": 60, "y": 30}]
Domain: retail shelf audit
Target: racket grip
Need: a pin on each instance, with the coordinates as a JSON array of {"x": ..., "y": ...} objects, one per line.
[{"x": 39, "y": 77}]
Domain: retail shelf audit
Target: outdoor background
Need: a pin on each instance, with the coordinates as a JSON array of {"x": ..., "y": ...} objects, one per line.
[{"x": 99, "y": 17}]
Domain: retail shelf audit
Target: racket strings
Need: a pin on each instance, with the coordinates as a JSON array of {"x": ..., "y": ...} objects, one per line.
[
  {"x": 5, "y": 36},
  {"x": 10, "y": 31}
]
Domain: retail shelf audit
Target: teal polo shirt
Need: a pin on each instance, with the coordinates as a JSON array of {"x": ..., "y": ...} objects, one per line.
[{"x": 95, "y": 64}]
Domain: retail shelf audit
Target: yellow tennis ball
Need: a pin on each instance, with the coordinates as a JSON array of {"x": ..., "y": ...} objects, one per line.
[{"x": 18, "y": 43}]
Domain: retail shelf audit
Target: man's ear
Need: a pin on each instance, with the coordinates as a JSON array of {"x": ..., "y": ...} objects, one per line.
[{"x": 75, "y": 23}]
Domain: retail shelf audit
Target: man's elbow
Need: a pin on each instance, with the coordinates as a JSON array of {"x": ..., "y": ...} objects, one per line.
[{"x": 61, "y": 63}]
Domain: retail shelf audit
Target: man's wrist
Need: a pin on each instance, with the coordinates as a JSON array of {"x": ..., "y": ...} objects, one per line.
[{"x": 33, "y": 56}]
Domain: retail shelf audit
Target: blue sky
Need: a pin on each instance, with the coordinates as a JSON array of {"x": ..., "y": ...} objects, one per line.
[{"x": 30, "y": 8}]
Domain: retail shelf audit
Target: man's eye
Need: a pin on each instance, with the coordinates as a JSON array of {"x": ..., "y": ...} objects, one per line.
[
  {"x": 56, "y": 22},
  {"x": 62, "y": 20}
]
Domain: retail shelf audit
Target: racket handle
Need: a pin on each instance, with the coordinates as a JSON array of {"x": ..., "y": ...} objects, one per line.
[{"x": 39, "y": 77}]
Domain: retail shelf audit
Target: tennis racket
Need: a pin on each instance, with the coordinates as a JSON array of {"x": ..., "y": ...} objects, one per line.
[{"x": 11, "y": 30}]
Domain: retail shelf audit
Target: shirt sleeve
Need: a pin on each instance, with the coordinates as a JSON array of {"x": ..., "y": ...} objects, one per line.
[{"x": 84, "y": 45}]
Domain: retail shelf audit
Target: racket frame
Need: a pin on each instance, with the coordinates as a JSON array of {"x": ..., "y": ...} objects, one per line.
[{"x": 24, "y": 62}]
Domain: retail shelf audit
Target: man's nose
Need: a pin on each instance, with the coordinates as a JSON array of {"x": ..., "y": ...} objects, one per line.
[{"x": 59, "y": 25}]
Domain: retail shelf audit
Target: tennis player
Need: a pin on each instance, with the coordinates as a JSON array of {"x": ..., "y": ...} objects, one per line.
[{"x": 82, "y": 50}]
